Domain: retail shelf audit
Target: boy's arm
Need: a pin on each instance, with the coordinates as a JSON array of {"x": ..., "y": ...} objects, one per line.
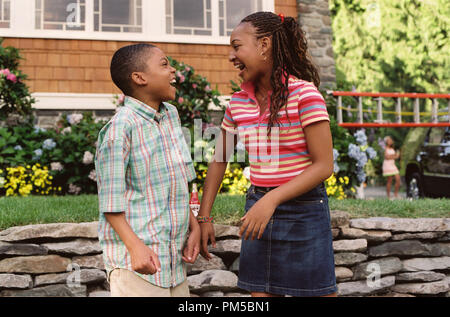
[
  {"x": 111, "y": 163},
  {"x": 143, "y": 259}
]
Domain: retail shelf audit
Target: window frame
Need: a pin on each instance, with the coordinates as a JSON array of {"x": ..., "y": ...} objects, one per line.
[
  {"x": 2, "y": 11},
  {"x": 22, "y": 19}
]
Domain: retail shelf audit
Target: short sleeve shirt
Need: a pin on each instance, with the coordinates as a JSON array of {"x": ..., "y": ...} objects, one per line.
[
  {"x": 143, "y": 166},
  {"x": 281, "y": 156}
]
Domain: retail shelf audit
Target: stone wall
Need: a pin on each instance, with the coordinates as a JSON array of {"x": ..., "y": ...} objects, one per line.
[
  {"x": 374, "y": 257},
  {"x": 315, "y": 19}
]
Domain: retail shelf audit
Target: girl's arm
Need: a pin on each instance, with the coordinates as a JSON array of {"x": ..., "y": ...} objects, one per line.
[
  {"x": 192, "y": 248},
  {"x": 216, "y": 170},
  {"x": 320, "y": 148}
]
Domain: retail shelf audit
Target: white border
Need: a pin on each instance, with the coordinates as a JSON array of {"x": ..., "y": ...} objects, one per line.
[
  {"x": 73, "y": 101},
  {"x": 153, "y": 24},
  {"x": 81, "y": 101}
]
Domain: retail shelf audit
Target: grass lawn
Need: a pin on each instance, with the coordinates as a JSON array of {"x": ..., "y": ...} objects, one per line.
[{"x": 17, "y": 211}]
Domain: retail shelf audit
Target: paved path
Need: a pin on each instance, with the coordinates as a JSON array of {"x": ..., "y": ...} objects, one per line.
[{"x": 380, "y": 192}]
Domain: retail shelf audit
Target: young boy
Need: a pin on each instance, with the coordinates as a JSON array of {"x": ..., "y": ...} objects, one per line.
[{"x": 143, "y": 167}]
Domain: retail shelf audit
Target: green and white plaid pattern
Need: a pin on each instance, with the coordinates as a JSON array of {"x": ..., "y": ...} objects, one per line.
[{"x": 143, "y": 167}]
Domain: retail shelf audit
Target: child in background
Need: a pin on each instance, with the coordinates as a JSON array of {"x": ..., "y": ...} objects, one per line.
[
  {"x": 390, "y": 170},
  {"x": 143, "y": 167},
  {"x": 282, "y": 119}
]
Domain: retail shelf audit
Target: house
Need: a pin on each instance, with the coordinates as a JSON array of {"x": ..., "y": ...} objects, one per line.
[{"x": 67, "y": 45}]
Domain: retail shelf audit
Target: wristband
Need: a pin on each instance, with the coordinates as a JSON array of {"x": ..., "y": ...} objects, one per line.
[{"x": 202, "y": 219}]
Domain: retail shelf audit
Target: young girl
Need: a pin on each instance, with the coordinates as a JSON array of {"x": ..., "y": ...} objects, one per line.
[
  {"x": 389, "y": 168},
  {"x": 281, "y": 118}
]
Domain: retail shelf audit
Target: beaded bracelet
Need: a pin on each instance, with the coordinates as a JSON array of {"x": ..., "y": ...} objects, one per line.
[{"x": 202, "y": 219}]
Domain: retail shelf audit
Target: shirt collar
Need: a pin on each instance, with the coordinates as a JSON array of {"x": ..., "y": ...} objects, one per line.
[
  {"x": 145, "y": 110},
  {"x": 249, "y": 87}
]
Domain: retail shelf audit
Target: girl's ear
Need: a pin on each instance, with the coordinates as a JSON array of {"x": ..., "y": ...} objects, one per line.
[{"x": 265, "y": 46}]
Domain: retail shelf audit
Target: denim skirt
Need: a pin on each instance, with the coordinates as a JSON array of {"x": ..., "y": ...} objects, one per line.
[{"x": 294, "y": 256}]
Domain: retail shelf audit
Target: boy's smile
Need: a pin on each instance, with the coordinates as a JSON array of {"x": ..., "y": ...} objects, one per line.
[{"x": 158, "y": 78}]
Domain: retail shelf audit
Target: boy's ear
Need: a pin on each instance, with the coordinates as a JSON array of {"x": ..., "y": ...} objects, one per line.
[{"x": 139, "y": 78}]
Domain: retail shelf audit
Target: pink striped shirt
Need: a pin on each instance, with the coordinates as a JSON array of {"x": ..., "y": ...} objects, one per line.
[{"x": 276, "y": 159}]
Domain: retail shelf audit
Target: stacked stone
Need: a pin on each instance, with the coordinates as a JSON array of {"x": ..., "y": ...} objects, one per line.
[
  {"x": 218, "y": 276},
  {"x": 52, "y": 260},
  {"x": 373, "y": 257},
  {"x": 315, "y": 19},
  {"x": 393, "y": 257}
]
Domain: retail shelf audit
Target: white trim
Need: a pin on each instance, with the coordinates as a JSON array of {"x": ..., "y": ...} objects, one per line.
[
  {"x": 153, "y": 25},
  {"x": 80, "y": 101},
  {"x": 63, "y": 101}
]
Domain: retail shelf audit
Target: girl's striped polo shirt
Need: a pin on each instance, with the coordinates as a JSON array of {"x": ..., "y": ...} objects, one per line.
[{"x": 281, "y": 156}]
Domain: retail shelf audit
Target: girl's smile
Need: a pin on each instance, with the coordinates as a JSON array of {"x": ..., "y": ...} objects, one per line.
[{"x": 248, "y": 55}]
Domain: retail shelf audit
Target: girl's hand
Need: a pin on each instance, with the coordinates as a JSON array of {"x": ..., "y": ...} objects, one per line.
[
  {"x": 192, "y": 247},
  {"x": 207, "y": 234},
  {"x": 257, "y": 218}
]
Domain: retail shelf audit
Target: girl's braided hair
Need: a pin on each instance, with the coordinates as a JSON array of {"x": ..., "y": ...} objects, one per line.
[{"x": 290, "y": 56}]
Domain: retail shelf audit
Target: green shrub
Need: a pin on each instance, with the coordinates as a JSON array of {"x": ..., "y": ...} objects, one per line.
[
  {"x": 15, "y": 97},
  {"x": 194, "y": 94},
  {"x": 67, "y": 151}
]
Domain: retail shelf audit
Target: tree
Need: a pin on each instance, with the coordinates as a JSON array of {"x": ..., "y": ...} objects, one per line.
[{"x": 393, "y": 45}]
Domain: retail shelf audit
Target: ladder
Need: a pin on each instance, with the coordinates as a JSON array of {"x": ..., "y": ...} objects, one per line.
[{"x": 379, "y": 122}]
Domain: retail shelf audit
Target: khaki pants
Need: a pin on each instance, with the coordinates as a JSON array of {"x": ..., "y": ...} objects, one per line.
[{"x": 125, "y": 283}]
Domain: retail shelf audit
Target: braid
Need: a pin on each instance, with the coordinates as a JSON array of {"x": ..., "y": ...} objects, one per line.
[{"x": 290, "y": 56}]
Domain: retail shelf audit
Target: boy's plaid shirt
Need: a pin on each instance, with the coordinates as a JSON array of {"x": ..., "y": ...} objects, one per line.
[{"x": 143, "y": 166}]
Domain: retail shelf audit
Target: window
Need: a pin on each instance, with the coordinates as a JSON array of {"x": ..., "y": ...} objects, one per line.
[
  {"x": 193, "y": 17},
  {"x": 60, "y": 15},
  {"x": 4, "y": 13},
  {"x": 176, "y": 21},
  {"x": 188, "y": 17},
  {"x": 231, "y": 12},
  {"x": 118, "y": 15}
]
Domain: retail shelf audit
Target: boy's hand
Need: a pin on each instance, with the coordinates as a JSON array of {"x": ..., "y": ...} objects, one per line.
[
  {"x": 207, "y": 234},
  {"x": 144, "y": 260},
  {"x": 192, "y": 247}
]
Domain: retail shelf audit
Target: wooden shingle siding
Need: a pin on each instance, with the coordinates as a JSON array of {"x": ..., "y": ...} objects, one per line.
[{"x": 82, "y": 66}]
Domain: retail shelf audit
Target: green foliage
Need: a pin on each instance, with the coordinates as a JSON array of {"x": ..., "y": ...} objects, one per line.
[
  {"x": 67, "y": 151},
  {"x": 75, "y": 150},
  {"x": 14, "y": 95},
  {"x": 393, "y": 45},
  {"x": 411, "y": 146},
  {"x": 194, "y": 94},
  {"x": 347, "y": 165}
]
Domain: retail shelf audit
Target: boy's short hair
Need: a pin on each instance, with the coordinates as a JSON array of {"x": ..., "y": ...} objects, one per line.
[{"x": 125, "y": 61}]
